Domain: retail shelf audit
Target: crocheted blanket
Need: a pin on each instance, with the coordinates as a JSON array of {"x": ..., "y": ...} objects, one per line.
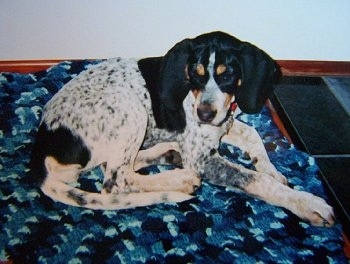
[{"x": 220, "y": 225}]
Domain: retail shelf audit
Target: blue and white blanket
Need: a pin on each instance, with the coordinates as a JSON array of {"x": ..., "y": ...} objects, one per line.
[{"x": 218, "y": 226}]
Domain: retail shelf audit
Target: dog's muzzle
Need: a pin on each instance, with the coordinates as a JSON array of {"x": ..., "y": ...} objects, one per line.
[{"x": 206, "y": 113}]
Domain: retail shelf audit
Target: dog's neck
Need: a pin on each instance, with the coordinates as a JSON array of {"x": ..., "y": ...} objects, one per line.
[
  {"x": 200, "y": 140},
  {"x": 210, "y": 131}
]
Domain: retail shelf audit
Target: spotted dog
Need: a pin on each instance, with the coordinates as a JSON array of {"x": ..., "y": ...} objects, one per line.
[{"x": 122, "y": 114}]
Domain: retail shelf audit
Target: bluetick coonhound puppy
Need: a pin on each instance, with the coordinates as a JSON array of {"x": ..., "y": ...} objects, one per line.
[{"x": 122, "y": 114}]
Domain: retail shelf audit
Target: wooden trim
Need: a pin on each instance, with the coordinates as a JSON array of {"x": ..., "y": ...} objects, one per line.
[
  {"x": 278, "y": 121},
  {"x": 289, "y": 67},
  {"x": 26, "y": 66},
  {"x": 314, "y": 68}
]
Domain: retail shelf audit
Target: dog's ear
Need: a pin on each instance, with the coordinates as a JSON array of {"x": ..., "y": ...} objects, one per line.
[
  {"x": 259, "y": 72},
  {"x": 150, "y": 68},
  {"x": 166, "y": 81},
  {"x": 173, "y": 84}
]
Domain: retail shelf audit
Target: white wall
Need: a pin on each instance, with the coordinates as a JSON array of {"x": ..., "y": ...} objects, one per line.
[{"x": 58, "y": 29}]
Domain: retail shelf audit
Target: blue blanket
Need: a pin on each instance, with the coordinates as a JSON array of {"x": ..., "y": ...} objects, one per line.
[{"x": 218, "y": 226}]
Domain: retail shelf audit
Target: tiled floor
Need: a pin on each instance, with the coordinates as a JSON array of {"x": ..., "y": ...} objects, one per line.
[{"x": 316, "y": 113}]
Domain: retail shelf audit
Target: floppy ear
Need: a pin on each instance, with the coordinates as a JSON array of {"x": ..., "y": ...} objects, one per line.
[
  {"x": 150, "y": 68},
  {"x": 166, "y": 81},
  {"x": 259, "y": 72},
  {"x": 173, "y": 84}
]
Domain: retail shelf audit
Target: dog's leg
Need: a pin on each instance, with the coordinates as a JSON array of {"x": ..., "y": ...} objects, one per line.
[
  {"x": 168, "y": 186},
  {"x": 180, "y": 180},
  {"x": 248, "y": 140},
  {"x": 305, "y": 205},
  {"x": 65, "y": 173},
  {"x": 125, "y": 179},
  {"x": 60, "y": 191},
  {"x": 145, "y": 157},
  {"x": 178, "y": 183}
]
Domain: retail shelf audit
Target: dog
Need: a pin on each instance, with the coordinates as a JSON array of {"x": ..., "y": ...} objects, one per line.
[{"x": 122, "y": 114}]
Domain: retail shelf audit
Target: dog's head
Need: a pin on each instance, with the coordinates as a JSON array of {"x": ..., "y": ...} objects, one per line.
[{"x": 217, "y": 69}]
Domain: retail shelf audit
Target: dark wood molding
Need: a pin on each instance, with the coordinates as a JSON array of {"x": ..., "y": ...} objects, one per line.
[
  {"x": 278, "y": 121},
  {"x": 314, "y": 68},
  {"x": 26, "y": 66},
  {"x": 289, "y": 67}
]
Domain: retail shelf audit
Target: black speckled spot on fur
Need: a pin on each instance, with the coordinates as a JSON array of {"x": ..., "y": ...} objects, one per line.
[
  {"x": 76, "y": 197},
  {"x": 114, "y": 176},
  {"x": 127, "y": 204},
  {"x": 108, "y": 185},
  {"x": 104, "y": 166},
  {"x": 115, "y": 200},
  {"x": 95, "y": 202},
  {"x": 219, "y": 172},
  {"x": 111, "y": 110},
  {"x": 212, "y": 152},
  {"x": 165, "y": 197}
]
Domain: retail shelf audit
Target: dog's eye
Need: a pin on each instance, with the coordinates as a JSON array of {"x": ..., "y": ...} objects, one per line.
[{"x": 227, "y": 76}]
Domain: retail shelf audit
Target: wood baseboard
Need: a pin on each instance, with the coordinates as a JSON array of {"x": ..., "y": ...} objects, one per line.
[
  {"x": 289, "y": 67},
  {"x": 314, "y": 68},
  {"x": 26, "y": 66}
]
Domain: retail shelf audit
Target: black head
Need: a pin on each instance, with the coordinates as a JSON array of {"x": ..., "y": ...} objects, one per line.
[{"x": 217, "y": 69}]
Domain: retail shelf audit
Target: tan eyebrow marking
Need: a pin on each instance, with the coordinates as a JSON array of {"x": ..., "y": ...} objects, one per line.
[
  {"x": 220, "y": 69},
  {"x": 200, "y": 70}
]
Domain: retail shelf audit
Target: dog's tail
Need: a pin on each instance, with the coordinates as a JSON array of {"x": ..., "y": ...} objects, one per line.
[{"x": 62, "y": 192}]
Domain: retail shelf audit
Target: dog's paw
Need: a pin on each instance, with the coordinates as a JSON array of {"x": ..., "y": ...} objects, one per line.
[
  {"x": 315, "y": 210},
  {"x": 189, "y": 181}
]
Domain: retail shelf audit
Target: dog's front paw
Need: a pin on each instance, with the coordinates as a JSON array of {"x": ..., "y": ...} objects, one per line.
[
  {"x": 189, "y": 181},
  {"x": 315, "y": 210}
]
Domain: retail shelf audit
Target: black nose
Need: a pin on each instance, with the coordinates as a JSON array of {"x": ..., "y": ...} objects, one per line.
[{"x": 206, "y": 113}]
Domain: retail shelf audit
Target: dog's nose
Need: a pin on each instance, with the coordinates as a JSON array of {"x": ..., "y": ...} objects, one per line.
[{"x": 206, "y": 113}]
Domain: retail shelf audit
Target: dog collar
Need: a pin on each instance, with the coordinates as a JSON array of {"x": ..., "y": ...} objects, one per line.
[
  {"x": 228, "y": 121},
  {"x": 233, "y": 107}
]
